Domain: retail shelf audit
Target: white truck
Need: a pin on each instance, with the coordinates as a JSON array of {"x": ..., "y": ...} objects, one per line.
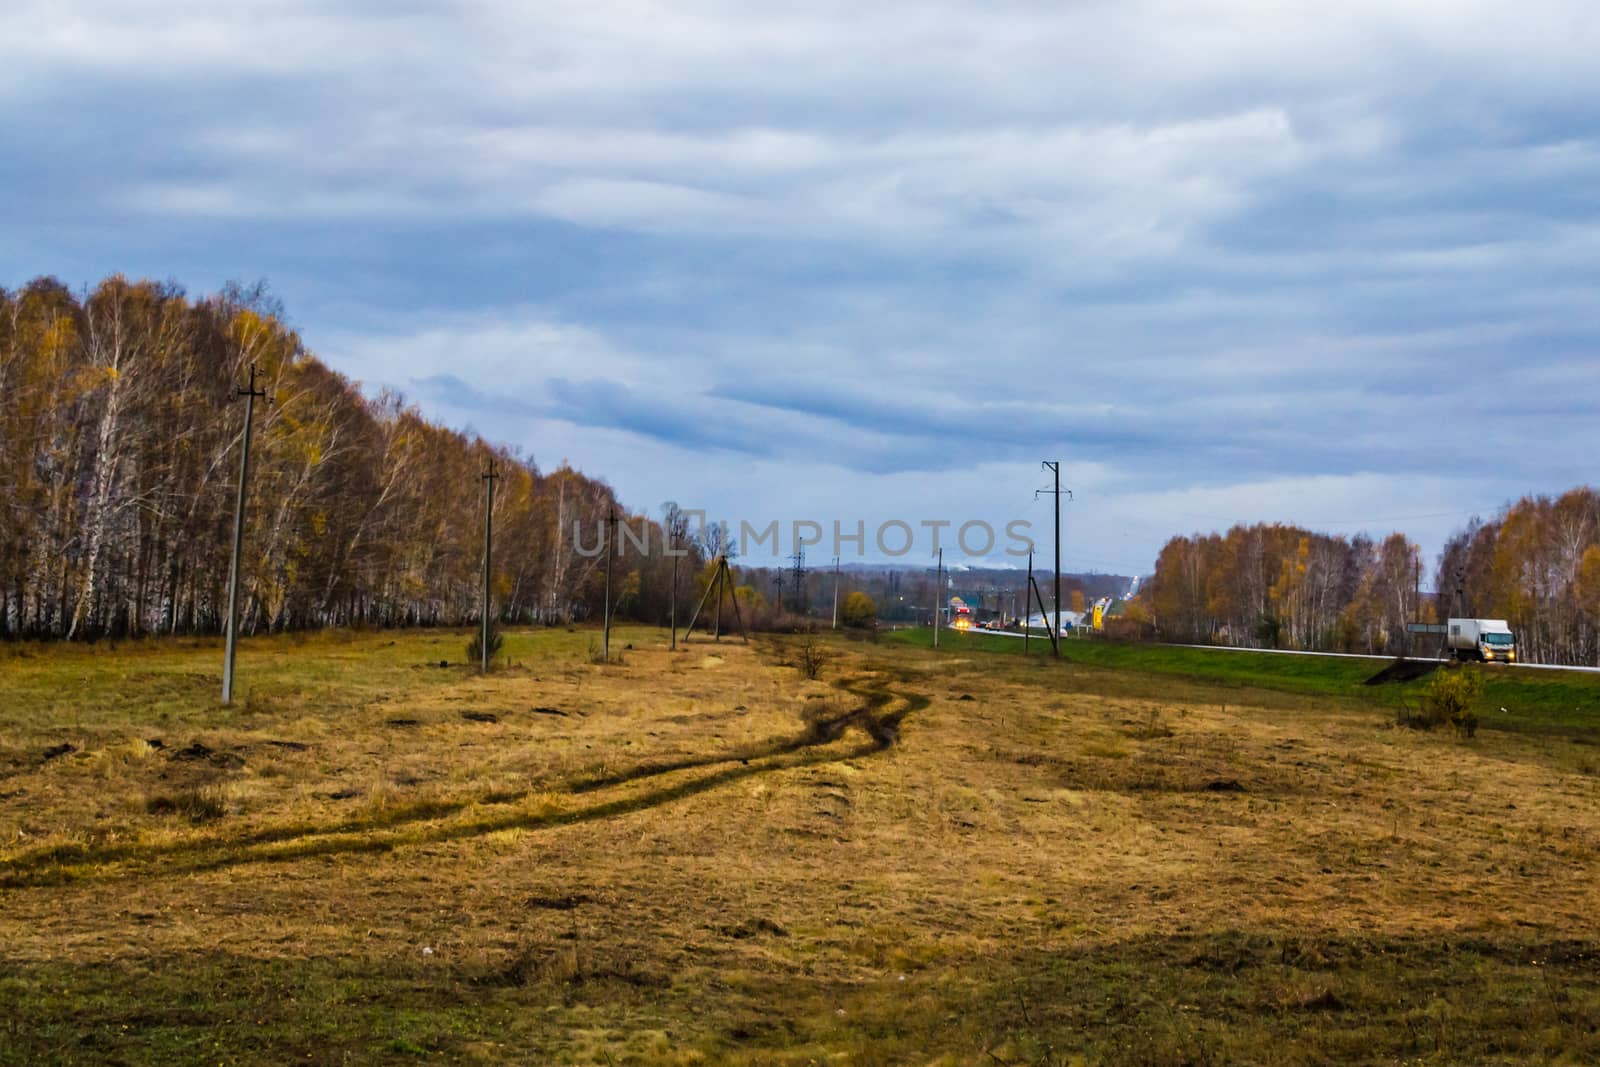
[{"x": 1481, "y": 639}]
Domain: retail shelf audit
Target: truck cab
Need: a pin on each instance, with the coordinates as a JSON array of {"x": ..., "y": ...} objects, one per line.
[{"x": 1484, "y": 640}]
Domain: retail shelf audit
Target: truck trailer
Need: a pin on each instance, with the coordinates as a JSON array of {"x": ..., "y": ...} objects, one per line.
[{"x": 1485, "y": 640}]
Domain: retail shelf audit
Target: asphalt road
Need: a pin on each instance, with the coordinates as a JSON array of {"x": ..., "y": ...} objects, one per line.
[
  {"x": 1389, "y": 659},
  {"x": 1294, "y": 652}
]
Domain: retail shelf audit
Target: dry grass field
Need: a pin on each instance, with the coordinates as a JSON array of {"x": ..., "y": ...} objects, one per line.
[{"x": 704, "y": 857}]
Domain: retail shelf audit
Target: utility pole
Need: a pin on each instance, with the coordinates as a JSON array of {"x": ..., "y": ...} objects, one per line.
[
  {"x": 722, "y": 569},
  {"x": 835, "y": 592},
  {"x": 1460, "y": 604},
  {"x": 1416, "y": 603},
  {"x": 249, "y": 392},
  {"x": 1025, "y": 604},
  {"x": 1054, "y": 466},
  {"x": 672, "y": 546},
  {"x": 1416, "y": 594},
  {"x": 489, "y": 477},
  {"x": 721, "y": 582},
  {"x": 1055, "y": 637},
  {"x": 611, "y": 525},
  {"x": 938, "y": 597},
  {"x": 1024, "y": 599},
  {"x": 798, "y": 572}
]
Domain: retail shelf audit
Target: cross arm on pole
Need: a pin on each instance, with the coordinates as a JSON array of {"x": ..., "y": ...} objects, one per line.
[{"x": 251, "y": 390}]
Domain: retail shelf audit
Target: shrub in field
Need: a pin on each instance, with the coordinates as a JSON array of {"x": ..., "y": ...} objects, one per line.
[
  {"x": 198, "y": 805},
  {"x": 1448, "y": 698},
  {"x": 860, "y": 611},
  {"x": 811, "y": 657}
]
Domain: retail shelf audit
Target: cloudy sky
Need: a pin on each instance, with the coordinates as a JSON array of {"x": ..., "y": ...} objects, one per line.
[{"x": 1226, "y": 259}]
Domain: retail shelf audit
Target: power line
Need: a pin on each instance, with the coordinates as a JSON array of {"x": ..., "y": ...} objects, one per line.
[{"x": 1234, "y": 519}]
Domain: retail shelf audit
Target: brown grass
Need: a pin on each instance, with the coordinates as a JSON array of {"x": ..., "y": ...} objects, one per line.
[{"x": 704, "y": 856}]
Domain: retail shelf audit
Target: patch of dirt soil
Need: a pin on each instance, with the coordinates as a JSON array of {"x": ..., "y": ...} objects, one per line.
[
  {"x": 565, "y": 902},
  {"x": 198, "y": 752},
  {"x": 753, "y": 928}
]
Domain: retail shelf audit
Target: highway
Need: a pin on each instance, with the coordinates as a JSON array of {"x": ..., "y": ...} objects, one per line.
[
  {"x": 1293, "y": 652},
  {"x": 1387, "y": 659}
]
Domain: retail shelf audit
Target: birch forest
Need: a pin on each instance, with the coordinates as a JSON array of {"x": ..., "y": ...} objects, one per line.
[
  {"x": 1536, "y": 565},
  {"x": 120, "y": 434}
]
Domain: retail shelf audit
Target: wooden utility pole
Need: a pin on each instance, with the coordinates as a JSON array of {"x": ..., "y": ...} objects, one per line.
[
  {"x": 694, "y": 616},
  {"x": 249, "y": 392},
  {"x": 721, "y": 580},
  {"x": 489, "y": 477},
  {"x": 733, "y": 594},
  {"x": 717, "y": 630},
  {"x": 835, "y": 592}
]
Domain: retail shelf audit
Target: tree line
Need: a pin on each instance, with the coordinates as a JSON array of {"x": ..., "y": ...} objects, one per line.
[
  {"x": 119, "y": 446},
  {"x": 1271, "y": 585},
  {"x": 1537, "y": 565}
]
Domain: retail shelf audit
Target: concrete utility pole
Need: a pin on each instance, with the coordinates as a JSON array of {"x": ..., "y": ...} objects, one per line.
[
  {"x": 938, "y": 596},
  {"x": 1025, "y": 603},
  {"x": 489, "y": 477},
  {"x": 1038, "y": 596},
  {"x": 249, "y": 392},
  {"x": 1416, "y": 594},
  {"x": 1416, "y": 603},
  {"x": 835, "y": 592},
  {"x": 1054, "y": 466},
  {"x": 611, "y": 524},
  {"x": 672, "y": 544}
]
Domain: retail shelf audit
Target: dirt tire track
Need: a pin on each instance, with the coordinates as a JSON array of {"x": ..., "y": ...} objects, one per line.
[{"x": 882, "y": 730}]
